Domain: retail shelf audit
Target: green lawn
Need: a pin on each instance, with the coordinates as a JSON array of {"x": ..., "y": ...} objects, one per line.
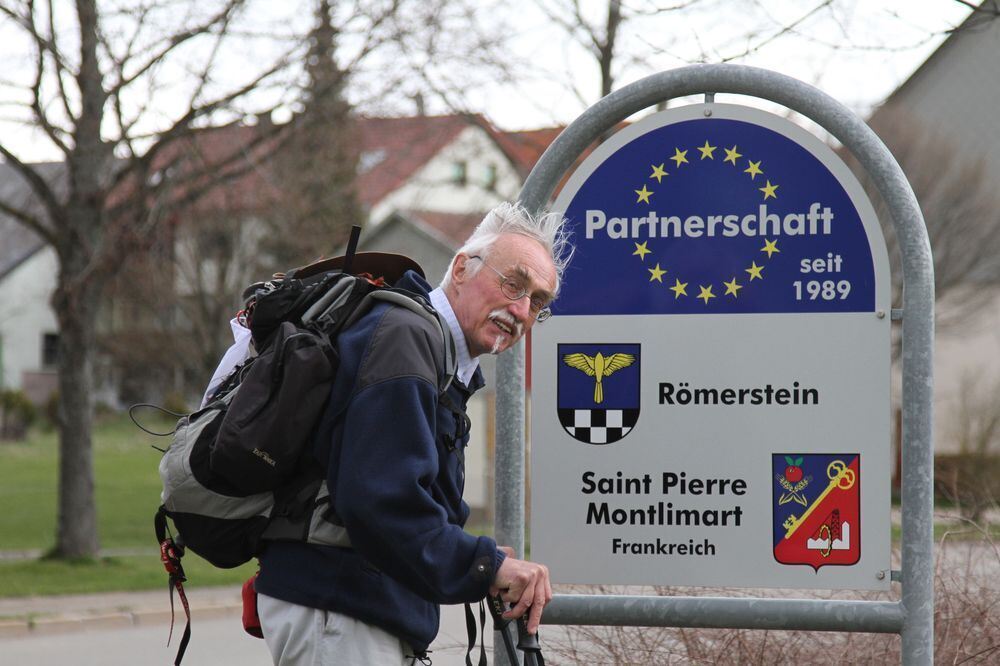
[{"x": 128, "y": 493}]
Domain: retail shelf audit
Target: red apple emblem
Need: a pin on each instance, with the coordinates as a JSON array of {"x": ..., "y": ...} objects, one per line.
[{"x": 793, "y": 473}]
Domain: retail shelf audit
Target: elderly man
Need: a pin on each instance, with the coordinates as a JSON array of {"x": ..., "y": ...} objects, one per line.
[{"x": 393, "y": 446}]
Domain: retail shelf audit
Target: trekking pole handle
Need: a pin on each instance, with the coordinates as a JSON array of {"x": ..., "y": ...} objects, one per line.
[
  {"x": 500, "y": 624},
  {"x": 528, "y": 643}
]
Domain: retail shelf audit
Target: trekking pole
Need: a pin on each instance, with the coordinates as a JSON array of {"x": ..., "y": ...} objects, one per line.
[
  {"x": 500, "y": 624},
  {"x": 528, "y": 644}
]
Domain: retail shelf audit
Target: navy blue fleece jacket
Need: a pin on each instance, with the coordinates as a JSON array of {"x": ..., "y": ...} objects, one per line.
[{"x": 396, "y": 482}]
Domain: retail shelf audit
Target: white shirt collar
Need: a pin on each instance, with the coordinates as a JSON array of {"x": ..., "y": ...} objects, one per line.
[{"x": 466, "y": 364}]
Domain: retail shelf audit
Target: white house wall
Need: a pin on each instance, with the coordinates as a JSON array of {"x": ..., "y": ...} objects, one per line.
[
  {"x": 966, "y": 367},
  {"x": 27, "y": 316},
  {"x": 956, "y": 94},
  {"x": 956, "y": 91},
  {"x": 432, "y": 187}
]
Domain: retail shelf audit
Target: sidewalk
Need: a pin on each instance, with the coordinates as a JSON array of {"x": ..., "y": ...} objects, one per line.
[{"x": 24, "y": 616}]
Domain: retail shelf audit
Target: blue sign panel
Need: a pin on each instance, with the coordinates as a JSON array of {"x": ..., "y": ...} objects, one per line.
[{"x": 712, "y": 216}]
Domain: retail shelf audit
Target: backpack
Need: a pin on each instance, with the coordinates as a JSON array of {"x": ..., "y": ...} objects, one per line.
[{"x": 239, "y": 471}]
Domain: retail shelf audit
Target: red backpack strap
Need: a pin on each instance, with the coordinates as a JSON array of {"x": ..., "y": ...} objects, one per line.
[{"x": 171, "y": 553}]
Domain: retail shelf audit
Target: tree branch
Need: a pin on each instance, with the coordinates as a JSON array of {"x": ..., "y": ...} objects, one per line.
[
  {"x": 57, "y": 59},
  {"x": 222, "y": 18},
  {"x": 28, "y": 220},
  {"x": 38, "y": 185}
]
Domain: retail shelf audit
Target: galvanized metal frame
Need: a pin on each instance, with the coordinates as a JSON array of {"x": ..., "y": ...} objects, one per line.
[{"x": 913, "y": 616}]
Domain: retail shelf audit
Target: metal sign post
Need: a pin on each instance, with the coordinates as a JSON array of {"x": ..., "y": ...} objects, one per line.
[{"x": 633, "y": 510}]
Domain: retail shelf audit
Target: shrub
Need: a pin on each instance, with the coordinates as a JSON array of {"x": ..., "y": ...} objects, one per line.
[
  {"x": 970, "y": 481},
  {"x": 966, "y": 625},
  {"x": 16, "y": 414},
  {"x": 175, "y": 402}
]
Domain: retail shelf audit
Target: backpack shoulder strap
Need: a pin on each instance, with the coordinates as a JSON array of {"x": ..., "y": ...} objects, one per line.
[{"x": 419, "y": 305}]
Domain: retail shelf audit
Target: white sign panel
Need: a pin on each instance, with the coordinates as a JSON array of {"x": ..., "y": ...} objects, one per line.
[{"x": 710, "y": 402}]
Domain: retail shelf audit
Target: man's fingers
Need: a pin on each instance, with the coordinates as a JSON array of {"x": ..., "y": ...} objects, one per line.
[
  {"x": 527, "y": 587},
  {"x": 522, "y": 605},
  {"x": 543, "y": 595}
]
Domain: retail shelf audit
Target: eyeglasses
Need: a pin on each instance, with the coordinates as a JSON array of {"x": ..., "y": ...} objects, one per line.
[{"x": 515, "y": 291}]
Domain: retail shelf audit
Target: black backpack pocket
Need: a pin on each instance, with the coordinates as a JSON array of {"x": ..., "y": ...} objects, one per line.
[{"x": 273, "y": 415}]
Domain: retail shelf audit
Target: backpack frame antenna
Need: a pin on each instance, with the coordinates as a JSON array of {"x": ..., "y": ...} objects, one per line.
[{"x": 352, "y": 246}]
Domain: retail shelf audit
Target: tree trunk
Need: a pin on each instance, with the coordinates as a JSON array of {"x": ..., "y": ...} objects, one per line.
[{"x": 76, "y": 530}]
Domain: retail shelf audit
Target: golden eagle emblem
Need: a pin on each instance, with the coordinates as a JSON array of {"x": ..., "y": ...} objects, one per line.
[{"x": 598, "y": 366}]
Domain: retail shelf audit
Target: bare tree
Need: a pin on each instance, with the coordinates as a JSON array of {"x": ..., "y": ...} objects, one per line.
[
  {"x": 612, "y": 41},
  {"x": 124, "y": 92},
  {"x": 80, "y": 97},
  {"x": 293, "y": 199}
]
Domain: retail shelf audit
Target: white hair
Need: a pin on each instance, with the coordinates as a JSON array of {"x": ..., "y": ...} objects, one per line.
[{"x": 549, "y": 229}]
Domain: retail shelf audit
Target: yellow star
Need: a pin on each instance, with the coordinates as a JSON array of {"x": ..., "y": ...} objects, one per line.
[
  {"x": 753, "y": 169},
  {"x": 732, "y": 155},
  {"x": 770, "y": 247},
  {"x": 658, "y": 172},
  {"x": 680, "y": 156},
  {"x": 707, "y": 150},
  {"x": 768, "y": 191},
  {"x": 656, "y": 273},
  {"x": 706, "y": 293},
  {"x": 641, "y": 250},
  {"x": 644, "y": 195},
  {"x": 754, "y": 271},
  {"x": 732, "y": 287},
  {"x": 679, "y": 288}
]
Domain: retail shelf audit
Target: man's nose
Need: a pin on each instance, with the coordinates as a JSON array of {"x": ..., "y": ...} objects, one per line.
[{"x": 521, "y": 308}]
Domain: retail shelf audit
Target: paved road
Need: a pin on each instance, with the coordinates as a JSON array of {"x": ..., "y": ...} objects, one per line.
[
  {"x": 214, "y": 642},
  {"x": 217, "y": 639}
]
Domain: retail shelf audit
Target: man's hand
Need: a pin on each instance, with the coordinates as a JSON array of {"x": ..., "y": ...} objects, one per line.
[{"x": 524, "y": 584}]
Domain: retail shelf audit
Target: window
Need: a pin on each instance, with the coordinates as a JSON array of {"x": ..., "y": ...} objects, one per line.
[
  {"x": 50, "y": 350},
  {"x": 370, "y": 159},
  {"x": 458, "y": 173},
  {"x": 490, "y": 177}
]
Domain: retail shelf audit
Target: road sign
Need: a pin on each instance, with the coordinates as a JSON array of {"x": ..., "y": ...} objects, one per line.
[{"x": 710, "y": 402}]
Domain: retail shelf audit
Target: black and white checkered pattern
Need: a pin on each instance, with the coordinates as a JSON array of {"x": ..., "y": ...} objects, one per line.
[{"x": 598, "y": 426}]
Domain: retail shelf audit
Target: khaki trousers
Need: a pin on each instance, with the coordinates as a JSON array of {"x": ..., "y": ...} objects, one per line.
[{"x": 301, "y": 636}]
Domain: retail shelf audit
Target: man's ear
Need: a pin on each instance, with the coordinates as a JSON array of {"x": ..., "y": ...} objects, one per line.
[{"x": 459, "y": 269}]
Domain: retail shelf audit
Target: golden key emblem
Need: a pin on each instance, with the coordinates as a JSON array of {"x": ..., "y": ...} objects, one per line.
[{"x": 840, "y": 477}]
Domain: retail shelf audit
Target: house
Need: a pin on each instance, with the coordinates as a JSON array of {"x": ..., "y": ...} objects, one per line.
[
  {"x": 28, "y": 330},
  {"x": 954, "y": 95}
]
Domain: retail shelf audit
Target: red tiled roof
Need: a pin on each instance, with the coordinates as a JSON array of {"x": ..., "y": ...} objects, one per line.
[
  {"x": 239, "y": 150},
  {"x": 525, "y": 147},
  {"x": 397, "y": 147},
  {"x": 391, "y": 151}
]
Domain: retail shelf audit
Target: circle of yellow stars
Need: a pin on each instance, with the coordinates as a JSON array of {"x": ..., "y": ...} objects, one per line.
[{"x": 753, "y": 169}]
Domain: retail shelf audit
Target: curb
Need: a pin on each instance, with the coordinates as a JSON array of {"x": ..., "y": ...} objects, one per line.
[
  {"x": 44, "y": 626},
  {"x": 97, "y": 612}
]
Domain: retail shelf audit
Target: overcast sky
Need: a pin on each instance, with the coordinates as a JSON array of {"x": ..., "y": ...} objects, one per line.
[{"x": 856, "y": 50}]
